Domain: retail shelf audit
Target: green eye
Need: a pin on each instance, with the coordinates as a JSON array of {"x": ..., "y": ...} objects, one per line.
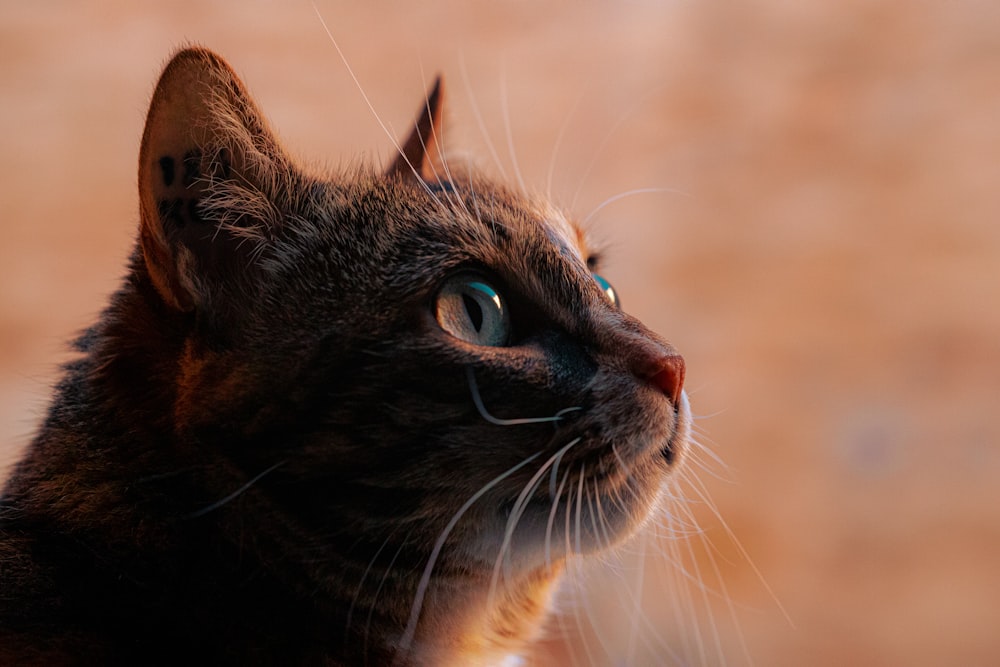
[
  {"x": 608, "y": 290},
  {"x": 470, "y": 309}
]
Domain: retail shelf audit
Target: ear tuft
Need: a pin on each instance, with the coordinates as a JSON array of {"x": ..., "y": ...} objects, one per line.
[{"x": 421, "y": 155}]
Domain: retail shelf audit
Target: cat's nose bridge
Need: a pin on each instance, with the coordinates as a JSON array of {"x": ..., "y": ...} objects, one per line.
[
  {"x": 645, "y": 355},
  {"x": 650, "y": 359}
]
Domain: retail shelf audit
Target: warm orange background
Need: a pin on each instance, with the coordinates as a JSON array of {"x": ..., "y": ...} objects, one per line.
[{"x": 824, "y": 251}]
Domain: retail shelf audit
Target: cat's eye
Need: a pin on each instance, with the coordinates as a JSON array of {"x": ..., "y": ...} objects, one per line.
[
  {"x": 471, "y": 309},
  {"x": 608, "y": 290}
]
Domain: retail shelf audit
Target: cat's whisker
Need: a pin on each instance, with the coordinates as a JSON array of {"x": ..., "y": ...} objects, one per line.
[
  {"x": 678, "y": 643},
  {"x": 557, "y": 145},
  {"x": 552, "y": 515},
  {"x": 695, "y": 578},
  {"x": 598, "y": 150},
  {"x": 478, "y": 400},
  {"x": 455, "y": 201},
  {"x": 605, "y": 649},
  {"x": 702, "y": 492},
  {"x": 572, "y": 517},
  {"x": 629, "y": 193},
  {"x": 605, "y": 525},
  {"x": 592, "y": 514},
  {"x": 357, "y": 83},
  {"x": 686, "y": 611},
  {"x": 709, "y": 415},
  {"x": 704, "y": 591},
  {"x": 677, "y": 562},
  {"x": 640, "y": 619},
  {"x": 579, "y": 510},
  {"x": 478, "y": 214},
  {"x": 650, "y": 636},
  {"x": 564, "y": 411},
  {"x": 679, "y": 523},
  {"x": 373, "y": 606},
  {"x": 361, "y": 584},
  {"x": 695, "y": 453},
  {"x": 520, "y": 504},
  {"x": 371, "y": 107},
  {"x": 502, "y": 561},
  {"x": 684, "y": 603},
  {"x": 407, "y": 637},
  {"x": 477, "y": 114},
  {"x": 708, "y": 461},
  {"x": 235, "y": 494},
  {"x": 553, "y": 476},
  {"x": 509, "y": 132},
  {"x": 619, "y": 499}
]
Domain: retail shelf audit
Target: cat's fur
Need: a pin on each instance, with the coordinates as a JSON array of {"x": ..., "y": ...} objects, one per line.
[{"x": 270, "y": 451}]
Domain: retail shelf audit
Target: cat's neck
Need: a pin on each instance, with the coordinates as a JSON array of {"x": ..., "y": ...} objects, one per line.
[
  {"x": 465, "y": 617},
  {"x": 493, "y": 626}
]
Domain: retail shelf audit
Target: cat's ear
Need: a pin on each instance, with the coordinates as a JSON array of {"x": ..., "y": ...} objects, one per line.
[
  {"x": 207, "y": 162},
  {"x": 421, "y": 156}
]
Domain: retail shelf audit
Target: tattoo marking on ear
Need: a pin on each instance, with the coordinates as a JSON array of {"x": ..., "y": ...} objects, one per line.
[
  {"x": 179, "y": 212},
  {"x": 167, "y": 166},
  {"x": 171, "y": 212},
  {"x": 192, "y": 167}
]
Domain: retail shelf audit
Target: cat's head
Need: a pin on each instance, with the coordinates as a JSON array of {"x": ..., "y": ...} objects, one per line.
[{"x": 427, "y": 360}]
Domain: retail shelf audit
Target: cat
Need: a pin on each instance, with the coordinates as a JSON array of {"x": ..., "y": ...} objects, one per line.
[{"x": 360, "y": 418}]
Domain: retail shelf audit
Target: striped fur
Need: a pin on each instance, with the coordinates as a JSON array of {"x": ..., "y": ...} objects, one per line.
[{"x": 268, "y": 451}]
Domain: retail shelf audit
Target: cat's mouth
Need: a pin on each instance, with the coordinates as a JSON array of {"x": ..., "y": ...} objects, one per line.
[
  {"x": 646, "y": 448},
  {"x": 593, "y": 502},
  {"x": 673, "y": 451}
]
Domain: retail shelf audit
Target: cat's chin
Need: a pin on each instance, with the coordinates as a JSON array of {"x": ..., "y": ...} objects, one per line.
[{"x": 594, "y": 513}]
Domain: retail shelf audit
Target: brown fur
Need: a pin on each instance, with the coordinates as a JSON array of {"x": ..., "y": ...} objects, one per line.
[{"x": 269, "y": 451}]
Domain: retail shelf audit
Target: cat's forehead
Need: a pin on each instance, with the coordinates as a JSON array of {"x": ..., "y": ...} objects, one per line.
[
  {"x": 504, "y": 219},
  {"x": 562, "y": 231},
  {"x": 534, "y": 219}
]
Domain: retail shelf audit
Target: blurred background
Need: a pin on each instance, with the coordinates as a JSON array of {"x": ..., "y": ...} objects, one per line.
[{"x": 801, "y": 196}]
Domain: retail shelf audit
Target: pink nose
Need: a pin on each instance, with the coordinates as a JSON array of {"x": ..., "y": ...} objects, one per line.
[{"x": 667, "y": 375}]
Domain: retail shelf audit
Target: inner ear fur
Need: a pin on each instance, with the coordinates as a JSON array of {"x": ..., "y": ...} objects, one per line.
[
  {"x": 202, "y": 129},
  {"x": 421, "y": 156}
]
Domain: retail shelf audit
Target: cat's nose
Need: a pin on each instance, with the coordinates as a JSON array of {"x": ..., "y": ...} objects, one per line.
[
  {"x": 670, "y": 377},
  {"x": 665, "y": 371}
]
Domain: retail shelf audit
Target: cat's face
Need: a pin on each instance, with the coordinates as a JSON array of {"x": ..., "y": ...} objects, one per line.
[
  {"x": 430, "y": 360},
  {"x": 458, "y": 307}
]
